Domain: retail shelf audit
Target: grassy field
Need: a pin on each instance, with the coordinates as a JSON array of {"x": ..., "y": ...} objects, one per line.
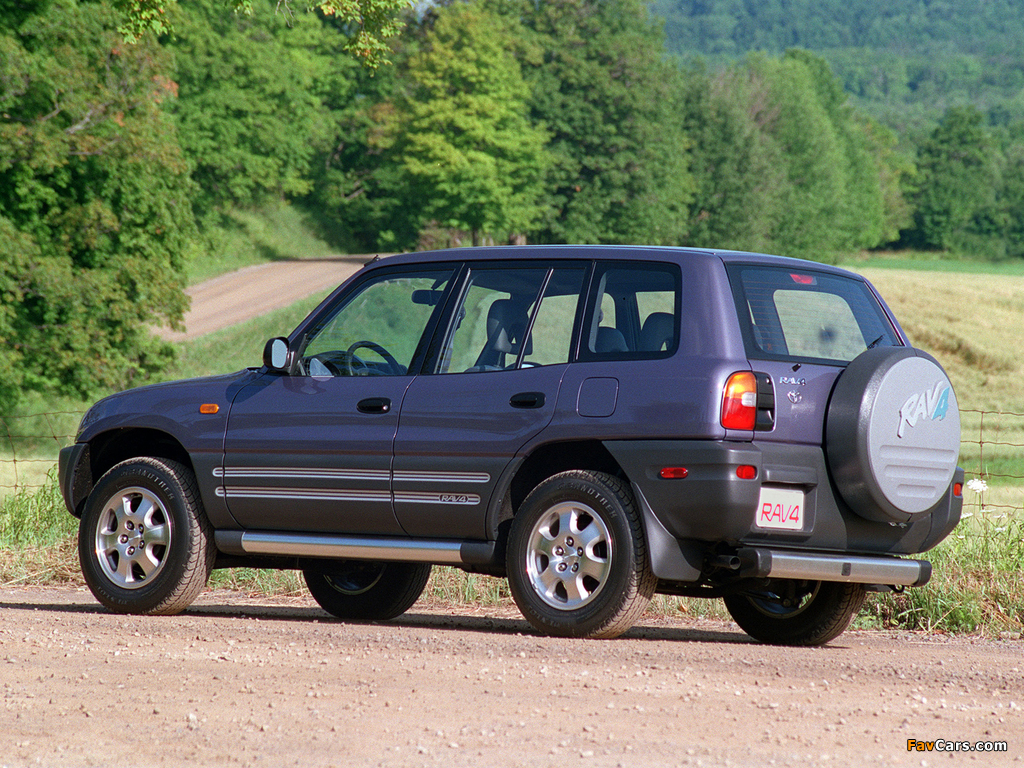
[
  {"x": 241, "y": 238},
  {"x": 966, "y": 314}
]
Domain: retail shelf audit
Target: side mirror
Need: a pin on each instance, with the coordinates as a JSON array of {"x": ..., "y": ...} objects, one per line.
[{"x": 275, "y": 355}]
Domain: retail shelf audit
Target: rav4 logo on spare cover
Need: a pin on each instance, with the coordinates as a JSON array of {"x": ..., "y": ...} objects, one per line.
[{"x": 930, "y": 404}]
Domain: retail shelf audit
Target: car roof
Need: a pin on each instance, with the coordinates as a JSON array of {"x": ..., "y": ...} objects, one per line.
[{"x": 608, "y": 252}]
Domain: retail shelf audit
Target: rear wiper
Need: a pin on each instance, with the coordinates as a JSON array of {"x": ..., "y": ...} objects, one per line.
[{"x": 875, "y": 343}]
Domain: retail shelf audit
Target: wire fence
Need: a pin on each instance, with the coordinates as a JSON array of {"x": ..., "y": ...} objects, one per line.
[{"x": 991, "y": 452}]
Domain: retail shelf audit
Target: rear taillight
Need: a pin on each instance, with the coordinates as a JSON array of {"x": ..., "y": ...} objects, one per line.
[
  {"x": 739, "y": 406},
  {"x": 749, "y": 402}
]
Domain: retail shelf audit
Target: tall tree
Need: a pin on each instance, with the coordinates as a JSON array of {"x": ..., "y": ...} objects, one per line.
[
  {"x": 461, "y": 131},
  {"x": 739, "y": 171},
  {"x": 956, "y": 182},
  {"x": 603, "y": 89},
  {"x": 371, "y": 23},
  {"x": 832, "y": 199},
  {"x": 254, "y": 99},
  {"x": 95, "y": 203},
  {"x": 1011, "y": 193}
]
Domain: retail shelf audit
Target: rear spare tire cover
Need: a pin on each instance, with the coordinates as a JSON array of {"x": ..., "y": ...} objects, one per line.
[{"x": 893, "y": 434}]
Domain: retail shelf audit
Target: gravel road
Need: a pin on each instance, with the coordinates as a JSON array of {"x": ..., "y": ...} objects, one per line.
[
  {"x": 244, "y": 681},
  {"x": 253, "y": 291}
]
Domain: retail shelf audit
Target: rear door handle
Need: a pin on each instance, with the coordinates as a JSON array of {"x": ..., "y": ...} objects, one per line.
[
  {"x": 527, "y": 400},
  {"x": 374, "y": 405}
]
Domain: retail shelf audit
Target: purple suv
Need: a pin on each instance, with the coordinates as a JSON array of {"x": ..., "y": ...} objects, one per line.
[{"x": 595, "y": 423}]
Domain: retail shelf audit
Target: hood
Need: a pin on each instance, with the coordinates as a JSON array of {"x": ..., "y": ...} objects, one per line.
[{"x": 169, "y": 406}]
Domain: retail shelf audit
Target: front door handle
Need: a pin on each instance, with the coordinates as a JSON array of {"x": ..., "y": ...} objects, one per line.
[
  {"x": 527, "y": 400},
  {"x": 374, "y": 405}
]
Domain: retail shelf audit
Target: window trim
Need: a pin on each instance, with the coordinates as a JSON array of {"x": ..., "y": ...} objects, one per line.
[{"x": 445, "y": 328}]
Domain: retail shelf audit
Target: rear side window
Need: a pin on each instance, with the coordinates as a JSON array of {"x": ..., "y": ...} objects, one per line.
[
  {"x": 807, "y": 315},
  {"x": 633, "y": 312}
]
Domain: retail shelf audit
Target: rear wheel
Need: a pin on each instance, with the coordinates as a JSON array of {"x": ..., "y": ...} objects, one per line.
[
  {"x": 797, "y": 612},
  {"x": 577, "y": 559},
  {"x": 362, "y": 590}
]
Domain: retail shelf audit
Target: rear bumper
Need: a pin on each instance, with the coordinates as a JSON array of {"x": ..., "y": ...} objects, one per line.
[
  {"x": 760, "y": 562},
  {"x": 712, "y": 505}
]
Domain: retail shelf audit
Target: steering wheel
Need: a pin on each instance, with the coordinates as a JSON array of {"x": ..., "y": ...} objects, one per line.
[{"x": 353, "y": 363}]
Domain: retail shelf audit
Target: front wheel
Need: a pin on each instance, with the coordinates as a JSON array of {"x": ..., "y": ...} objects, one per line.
[
  {"x": 797, "y": 612},
  {"x": 363, "y": 590},
  {"x": 577, "y": 559},
  {"x": 144, "y": 542}
]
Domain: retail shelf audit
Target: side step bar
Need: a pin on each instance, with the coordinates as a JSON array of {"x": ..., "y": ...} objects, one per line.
[
  {"x": 438, "y": 552},
  {"x": 758, "y": 562}
]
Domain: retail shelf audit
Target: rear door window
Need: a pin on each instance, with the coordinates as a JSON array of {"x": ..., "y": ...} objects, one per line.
[
  {"x": 513, "y": 317},
  {"x": 805, "y": 315},
  {"x": 634, "y": 312}
]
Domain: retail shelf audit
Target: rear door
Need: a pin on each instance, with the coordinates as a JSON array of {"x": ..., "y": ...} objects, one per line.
[
  {"x": 494, "y": 386},
  {"x": 802, "y": 327}
]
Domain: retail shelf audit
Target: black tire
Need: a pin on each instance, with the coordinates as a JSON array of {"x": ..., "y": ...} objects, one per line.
[
  {"x": 144, "y": 542},
  {"x": 577, "y": 559},
  {"x": 797, "y": 613},
  {"x": 362, "y": 590}
]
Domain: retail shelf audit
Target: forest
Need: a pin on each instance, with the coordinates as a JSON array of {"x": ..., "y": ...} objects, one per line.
[
  {"x": 502, "y": 121},
  {"x": 903, "y": 61}
]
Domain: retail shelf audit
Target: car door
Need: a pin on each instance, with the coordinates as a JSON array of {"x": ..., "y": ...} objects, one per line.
[
  {"x": 802, "y": 327},
  {"x": 311, "y": 449},
  {"x": 493, "y": 387}
]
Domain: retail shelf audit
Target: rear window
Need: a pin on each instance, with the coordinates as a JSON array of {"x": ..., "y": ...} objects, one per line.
[{"x": 806, "y": 315}]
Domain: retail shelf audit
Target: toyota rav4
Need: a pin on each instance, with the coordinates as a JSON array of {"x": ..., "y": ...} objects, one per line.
[{"x": 596, "y": 424}]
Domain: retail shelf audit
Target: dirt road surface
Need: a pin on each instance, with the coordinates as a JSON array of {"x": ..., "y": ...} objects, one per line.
[
  {"x": 247, "y": 293},
  {"x": 244, "y": 681}
]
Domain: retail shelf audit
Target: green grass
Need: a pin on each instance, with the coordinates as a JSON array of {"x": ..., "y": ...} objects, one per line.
[
  {"x": 929, "y": 261},
  {"x": 241, "y": 238},
  {"x": 37, "y": 538},
  {"x": 977, "y": 584},
  {"x": 239, "y": 346}
]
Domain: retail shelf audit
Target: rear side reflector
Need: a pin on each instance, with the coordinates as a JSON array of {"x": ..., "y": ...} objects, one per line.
[
  {"x": 674, "y": 473},
  {"x": 739, "y": 404},
  {"x": 958, "y": 489},
  {"x": 746, "y": 472}
]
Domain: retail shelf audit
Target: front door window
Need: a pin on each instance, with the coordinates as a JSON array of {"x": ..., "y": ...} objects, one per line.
[{"x": 378, "y": 330}]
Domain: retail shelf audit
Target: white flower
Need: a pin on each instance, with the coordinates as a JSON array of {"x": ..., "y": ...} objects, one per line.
[
  {"x": 977, "y": 485},
  {"x": 967, "y": 514}
]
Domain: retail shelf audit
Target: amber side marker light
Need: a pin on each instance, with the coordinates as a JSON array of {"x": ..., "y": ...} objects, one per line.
[
  {"x": 674, "y": 473},
  {"x": 209, "y": 408}
]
